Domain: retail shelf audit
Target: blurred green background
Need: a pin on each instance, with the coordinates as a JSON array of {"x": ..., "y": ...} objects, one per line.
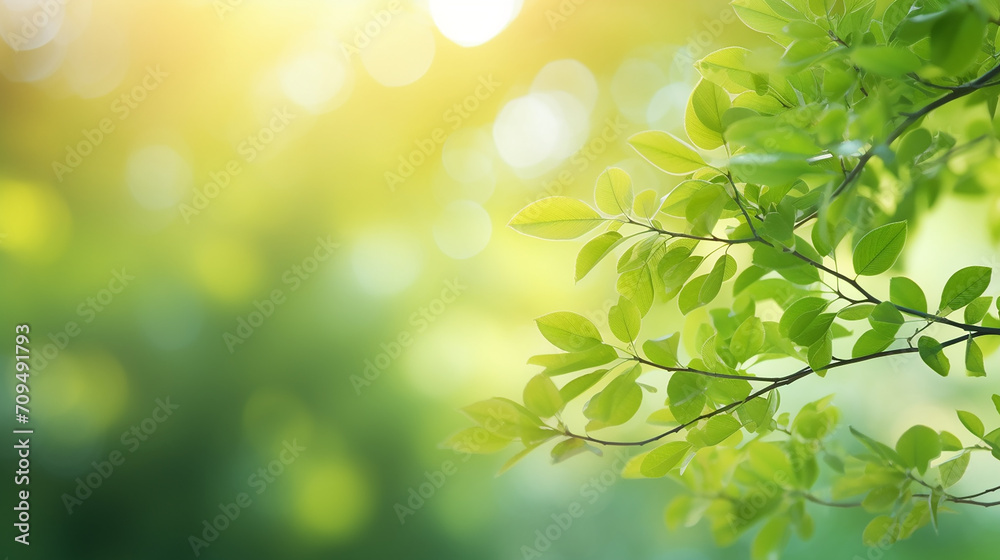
[{"x": 287, "y": 219}]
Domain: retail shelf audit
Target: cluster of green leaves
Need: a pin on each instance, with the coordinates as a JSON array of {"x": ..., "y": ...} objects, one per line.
[{"x": 798, "y": 158}]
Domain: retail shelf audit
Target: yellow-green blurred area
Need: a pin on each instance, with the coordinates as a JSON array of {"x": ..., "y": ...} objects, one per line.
[{"x": 288, "y": 219}]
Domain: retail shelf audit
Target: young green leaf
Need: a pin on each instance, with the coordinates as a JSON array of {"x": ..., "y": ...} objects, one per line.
[
  {"x": 906, "y": 293},
  {"x": 662, "y": 351},
  {"x": 613, "y": 192},
  {"x": 703, "y": 118},
  {"x": 974, "y": 366},
  {"x": 667, "y": 152},
  {"x": 870, "y": 342},
  {"x": 578, "y": 386},
  {"x": 878, "y": 249},
  {"x": 686, "y": 395},
  {"x": 972, "y": 423},
  {"x": 558, "y": 364},
  {"x": 542, "y": 397},
  {"x": 624, "y": 320},
  {"x": 886, "y": 319},
  {"x": 664, "y": 458},
  {"x": 894, "y": 62},
  {"x": 617, "y": 403},
  {"x": 594, "y": 251},
  {"x": 718, "y": 428},
  {"x": 568, "y": 448},
  {"x": 963, "y": 287},
  {"x": 976, "y": 311},
  {"x": 748, "y": 339},
  {"x": 932, "y": 353},
  {"x": 569, "y": 331},
  {"x": 918, "y": 446},
  {"x": 953, "y": 470},
  {"x": 556, "y": 217},
  {"x": 956, "y": 38}
]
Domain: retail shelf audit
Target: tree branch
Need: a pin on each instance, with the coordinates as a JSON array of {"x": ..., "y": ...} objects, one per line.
[
  {"x": 779, "y": 382},
  {"x": 957, "y": 92}
]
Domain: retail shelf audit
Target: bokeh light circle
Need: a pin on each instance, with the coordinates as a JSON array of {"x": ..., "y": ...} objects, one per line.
[
  {"x": 469, "y": 24},
  {"x": 158, "y": 177},
  {"x": 386, "y": 261},
  {"x": 463, "y": 229},
  {"x": 401, "y": 53}
]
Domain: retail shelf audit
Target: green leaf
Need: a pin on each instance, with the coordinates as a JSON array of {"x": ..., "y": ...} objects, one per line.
[
  {"x": 748, "y": 339},
  {"x": 617, "y": 403},
  {"x": 757, "y": 15},
  {"x": 918, "y": 446},
  {"x": 771, "y": 539},
  {"x": 856, "y": 312},
  {"x": 932, "y": 353},
  {"x": 879, "y": 448},
  {"x": 646, "y": 204},
  {"x": 686, "y": 395},
  {"x": 558, "y": 364},
  {"x": 667, "y": 152},
  {"x": 963, "y": 287},
  {"x": 624, "y": 320},
  {"x": 594, "y": 252},
  {"x": 703, "y": 118},
  {"x": 713, "y": 283},
  {"x": 879, "y": 532},
  {"x": 664, "y": 458},
  {"x": 569, "y": 331},
  {"x": 906, "y": 293},
  {"x": 568, "y": 448},
  {"x": 728, "y": 68},
  {"x": 976, "y": 311},
  {"x": 974, "y": 366},
  {"x": 556, "y": 217},
  {"x": 996, "y": 402},
  {"x": 889, "y": 61},
  {"x": 770, "y": 168},
  {"x": 880, "y": 498},
  {"x": 957, "y": 37},
  {"x": 972, "y": 423},
  {"x": 637, "y": 286},
  {"x": 613, "y": 192},
  {"x": 886, "y": 319},
  {"x": 718, "y": 428},
  {"x": 578, "y": 386},
  {"x": 878, "y": 249},
  {"x": 953, "y": 470},
  {"x": 871, "y": 342},
  {"x": 476, "y": 440},
  {"x": 542, "y": 397},
  {"x": 820, "y": 355},
  {"x": 662, "y": 351}
]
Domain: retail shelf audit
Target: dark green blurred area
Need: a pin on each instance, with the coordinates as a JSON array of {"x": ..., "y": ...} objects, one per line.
[{"x": 298, "y": 372}]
